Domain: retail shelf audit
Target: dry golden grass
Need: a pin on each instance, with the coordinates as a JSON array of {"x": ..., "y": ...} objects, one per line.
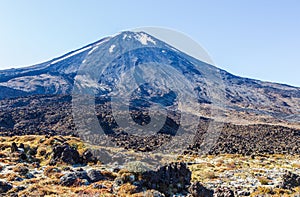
[
  {"x": 42, "y": 144},
  {"x": 207, "y": 168},
  {"x": 127, "y": 189},
  {"x": 296, "y": 165},
  {"x": 11, "y": 176},
  {"x": 52, "y": 172},
  {"x": 21, "y": 168},
  {"x": 274, "y": 192},
  {"x": 263, "y": 180}
]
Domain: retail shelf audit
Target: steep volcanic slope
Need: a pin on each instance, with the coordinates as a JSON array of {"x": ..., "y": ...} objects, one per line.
[
  {"x": 241, "y": 98},
  {"x": 52, "y": 115}
]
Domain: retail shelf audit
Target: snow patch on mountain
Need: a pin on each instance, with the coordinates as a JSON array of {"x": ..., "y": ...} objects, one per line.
[
  {"x": 111, "y": 49},
  {"x": 93, "y": 49},
  {"x": 174, "y": 49},
  {"x": 144, "y": 38},
  {"x": 72, "y": 54},
  {"x": 102, "y": 41}
]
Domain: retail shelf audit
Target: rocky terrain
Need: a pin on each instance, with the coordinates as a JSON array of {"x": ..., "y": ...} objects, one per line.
[
  {"x": 39, "y": 157},
  {"x": 64, "y": 166},
  {"x": 52, "y": 115}
]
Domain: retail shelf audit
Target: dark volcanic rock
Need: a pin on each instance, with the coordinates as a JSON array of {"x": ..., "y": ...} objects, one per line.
[
  {"x": 68, "y": 179},
  {"x": 95, "y": 175},
  {"x": 90, "y": 177},
  {"x": 87, "y": 157},
  {"x": 52, "y": 115},
  {"x": 5, "y": 187},
  {"x": 290, "y": 180},
  {"x": 36, "y": 115},
  {"x": 170, "y": 179},
  {"x": 23, "y": 156},
  {"x": 82, "y": 175},
  {"x": 250, "y": 139},
  {"x": 7, "y": 121},
  {"x": 65, "y": 153},
  {"x": 13, "y": 147},
  {"x": 198, "y": 190}
]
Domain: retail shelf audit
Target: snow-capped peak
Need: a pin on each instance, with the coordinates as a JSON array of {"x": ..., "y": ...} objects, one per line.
[{"x": 144, "y": 38}]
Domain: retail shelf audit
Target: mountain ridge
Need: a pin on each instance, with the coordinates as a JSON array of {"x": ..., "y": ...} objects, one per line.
[
  {"x": 47, "y": 62},
  {"x": 240, "y": 95}
]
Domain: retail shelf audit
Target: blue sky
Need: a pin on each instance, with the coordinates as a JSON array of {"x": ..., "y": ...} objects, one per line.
[{"x": 256, "y": 39}]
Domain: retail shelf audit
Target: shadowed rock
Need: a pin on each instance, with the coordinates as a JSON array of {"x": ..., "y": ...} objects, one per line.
[
  {"x": 198, "y": 190},
  {"x": 170, "y": 179},
  {"x": 290, "y": 180},
  {"x": 5, "y": 187},
  {"x": 65, "y": 153}
]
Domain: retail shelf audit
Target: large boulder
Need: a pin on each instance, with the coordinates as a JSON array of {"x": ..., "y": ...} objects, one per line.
[
  {"x": 68, "y": 179},
  {"x": 81, "y": 175},
  {"x": 5, "y": 187},
  {"x": 198, "y": 190},
  {"x": 13, "y": 147},
  {"x": 95, "y": 175},
  {"x": 290, "y": 180},
  {"x": 169, "y": 179},
  {"x": 65, "y": 153},
  {"x": 87, "y": 157}
]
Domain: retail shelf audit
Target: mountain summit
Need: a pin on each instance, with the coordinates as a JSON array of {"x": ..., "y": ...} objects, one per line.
[{"x": 113, "y": 62}]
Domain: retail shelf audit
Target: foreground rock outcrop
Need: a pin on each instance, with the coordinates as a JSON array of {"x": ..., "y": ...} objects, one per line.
[
  {"x": 66, "y": 154},
  {"x": 198, "y": 190},
  {"x": 211, "y": 175},
  {"x": 5, "y": 187},
  {"x": 290, "y": 180},
  {"x": 170, "y": 179}
]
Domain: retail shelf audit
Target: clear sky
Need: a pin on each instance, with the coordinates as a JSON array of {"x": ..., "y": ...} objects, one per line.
[{"x": 258, "y": 39}]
